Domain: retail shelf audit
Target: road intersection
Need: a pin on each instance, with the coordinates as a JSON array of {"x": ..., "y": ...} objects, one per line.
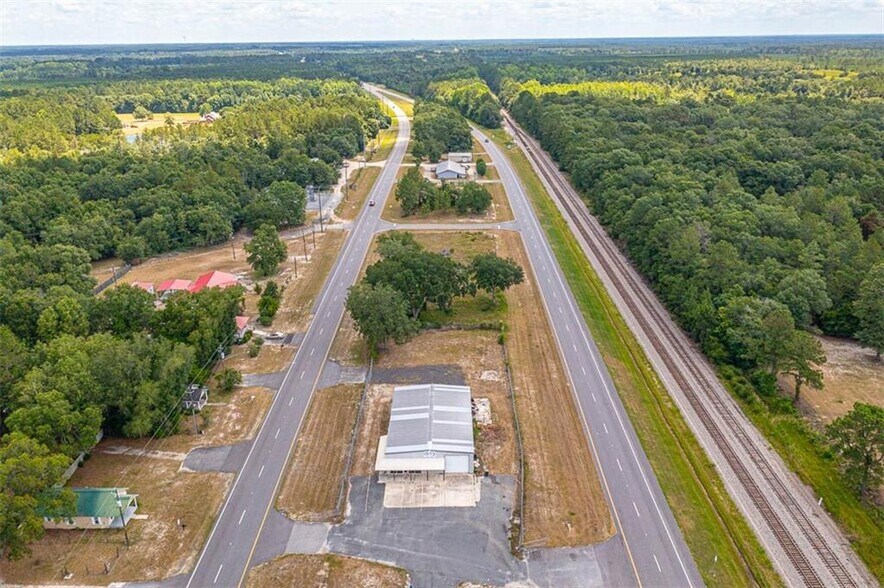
[{"x": 647, "y": 529}]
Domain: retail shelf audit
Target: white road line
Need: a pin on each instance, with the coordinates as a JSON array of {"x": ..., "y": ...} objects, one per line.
[
  {"x": 312, "y": 350},
  {"x": 277, "y": 433},
  {"x": 618, "y": 464},
  {"x": 328, "y": 314},
  {"x": 261, "y": 472},
  {"x": 567, "y": 328},
  {"x": 241, "y": 516},
  {"x": 574, "y": 345},
  {"x": 657, "y": 562},
  {"x": 555, "y": 295},
  {"x": 605, "y": 426},
  {"x": 636, "y": 509},
  {"x": 583, "y": 370},
  {"x": 593, "y": 397},
  {"x": 321, "y": 330},
  {"x": 218, "y": 573},
  {"x": 290, "y": 400},
  {"x": 302, "y": 374}
]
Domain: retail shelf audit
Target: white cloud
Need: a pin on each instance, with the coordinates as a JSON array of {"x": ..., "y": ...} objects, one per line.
[{"x": 151, "y": 21}]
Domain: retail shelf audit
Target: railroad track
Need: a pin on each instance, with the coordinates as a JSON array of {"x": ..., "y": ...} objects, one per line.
[{"x": 705, "y": 395}]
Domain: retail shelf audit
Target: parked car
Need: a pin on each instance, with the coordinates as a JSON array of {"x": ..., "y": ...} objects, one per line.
[{"x": 276, "y": 335}]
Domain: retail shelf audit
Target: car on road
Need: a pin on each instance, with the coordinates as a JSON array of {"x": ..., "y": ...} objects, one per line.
[
  {"x": 486, "y": 140},
  {"x": 371, "y": 202}
]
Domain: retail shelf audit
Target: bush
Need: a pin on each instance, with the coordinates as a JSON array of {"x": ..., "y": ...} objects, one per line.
[
  {"x": 255, "y": 346},
  {"x": 269, "y": 302},
  {"x": 228, "y": 379}
]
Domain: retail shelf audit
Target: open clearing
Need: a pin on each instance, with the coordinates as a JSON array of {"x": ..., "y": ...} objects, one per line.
[
  {"x": 326, "y": 571},
  {"x": 851, "y": 374},
  {"x": 311, "y": 486},
  {"x": 136, "y": 127},
  {"x": 180, "y": 506},
  {"x": 271, "y": 359}
]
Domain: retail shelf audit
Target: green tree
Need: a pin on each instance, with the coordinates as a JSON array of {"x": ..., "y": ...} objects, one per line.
[
  {"x": 380, "y": 314},
  {"x": 481, "y": 167},
  {"x": 804, "y": 355},
  {"x": 495, "y": 274},
  {"x": 266, "y": 250},
  {"x": 142, "y": 113},
  {"x": 132, "y": 249},
  {"x": 869, "y": 308},
  {"x": 268, "y": 303},
  {"x": 14, "y": 362},
  {"x": 473, "y": 198},
  {"x": 804, "y": 292},
  {"x": 123, "y": 310},
  {"x": 65, "y": 317},
  {"x": 49, "y": 418},
  {"x": 858, "y": 438},
  {"x": 227, "y": 380},
  {"x": 29, "y": 472}
]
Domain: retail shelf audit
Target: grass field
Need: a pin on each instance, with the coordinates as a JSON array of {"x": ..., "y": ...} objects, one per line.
[
  {"x": 724, "y": 547},
  {"x": 364, "y": 179},
  {"x": 136, "y": 127},
  {"x": 310, "y": 489},
  {"x": 325, "y": 571}
]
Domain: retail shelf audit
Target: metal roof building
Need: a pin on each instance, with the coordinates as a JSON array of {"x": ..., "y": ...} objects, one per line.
[
  {"x": 431, "y": 430},
  {"x": 450, "y": 170}
]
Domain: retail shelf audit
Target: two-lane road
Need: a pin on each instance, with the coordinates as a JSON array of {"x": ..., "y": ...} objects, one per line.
[
  {"x": 654, "y": 543},
  {"x": 225, "y": 558}
]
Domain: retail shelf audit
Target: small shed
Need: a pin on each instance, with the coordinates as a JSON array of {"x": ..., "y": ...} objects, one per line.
[
  {"x": 461, "y": 157},
  {"x": 98, "y": 508},
  {"x": 450, "y": 170},
  {"x": 242, "y": 325},
  {"x": 195, "y": 398}
]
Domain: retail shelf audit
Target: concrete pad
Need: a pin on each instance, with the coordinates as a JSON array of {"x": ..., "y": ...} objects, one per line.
[
  {"x": 225, "y": 458},
  {"x": 452, "y": 492}
]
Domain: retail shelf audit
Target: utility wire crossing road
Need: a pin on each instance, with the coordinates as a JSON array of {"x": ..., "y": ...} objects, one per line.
[{"x": 225, "y": 558}]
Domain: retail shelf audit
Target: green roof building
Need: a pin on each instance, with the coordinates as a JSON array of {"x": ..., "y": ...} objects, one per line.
[{"x": 98, "y": 508}]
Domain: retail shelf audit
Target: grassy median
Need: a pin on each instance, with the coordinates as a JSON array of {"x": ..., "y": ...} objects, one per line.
[{"x": 724, "y": 547}]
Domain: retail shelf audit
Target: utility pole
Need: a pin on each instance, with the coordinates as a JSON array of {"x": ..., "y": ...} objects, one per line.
[
  {"x": 346, "y": 165},
  {"x": 319, "y": 195},
  {"x": 295, "y": 259},
  {"x": 304, "y": 238},
  {"x": 233, "y": 249},
  {"x": 313, "y": 232},
  {"x": 122, "y": 516}
]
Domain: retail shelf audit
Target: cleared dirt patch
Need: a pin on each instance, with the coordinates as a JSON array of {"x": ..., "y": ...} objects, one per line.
[
  {"x": 326, "y": 571},
  {"x": 564, "y": 502},
  {"x": 271, "y": 359},
  {"x": 189, "y": 264},
  {"x": 136, "y": 127},
  {"x": 312, "y": 483},
  {"x": 851, "y": 374},
  {"x": 180, "y": 506}
]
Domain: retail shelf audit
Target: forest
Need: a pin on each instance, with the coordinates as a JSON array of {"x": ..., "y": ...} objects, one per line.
[{"x": 72, "y": 191}]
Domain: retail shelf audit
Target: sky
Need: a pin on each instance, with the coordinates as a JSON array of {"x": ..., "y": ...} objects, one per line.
[{"x": 64, "y": 22}]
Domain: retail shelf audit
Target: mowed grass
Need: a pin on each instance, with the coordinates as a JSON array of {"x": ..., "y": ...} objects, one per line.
[
  {"x": 364, "y": 180},
  {"x": 721, "y": 542},
  {"x": 313, "y": 481}
]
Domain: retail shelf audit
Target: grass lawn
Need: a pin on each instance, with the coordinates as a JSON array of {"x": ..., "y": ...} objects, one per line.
[
  {"x": 712, "y": 525},
  {"x": 364, "y": 180}
]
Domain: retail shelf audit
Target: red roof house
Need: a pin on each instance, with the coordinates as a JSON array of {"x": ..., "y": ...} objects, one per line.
[
  {"x": 213, "y": 279},
  {"x": 173, "y": 286},
  {"x": 242, "y": 325}
]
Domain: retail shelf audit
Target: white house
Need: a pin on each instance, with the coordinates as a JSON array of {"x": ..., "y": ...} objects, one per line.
[{"x": 450, "y": 170}]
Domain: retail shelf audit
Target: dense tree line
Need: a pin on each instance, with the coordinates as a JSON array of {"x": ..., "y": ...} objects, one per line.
[
  {"x": 471, "y": 97},
  {"x": 438, "y": 129},
  {"x": 417, "y": 194}
]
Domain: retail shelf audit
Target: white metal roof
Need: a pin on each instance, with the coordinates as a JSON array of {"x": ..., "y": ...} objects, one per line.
[
  {"x": 430, "y": 418},
  {"x": 451, "y": 166}
]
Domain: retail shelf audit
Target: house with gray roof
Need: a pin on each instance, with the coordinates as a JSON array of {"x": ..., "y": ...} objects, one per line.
[
  {"x": 430, "y": 432},
  {"x": 450, "y": 170}
]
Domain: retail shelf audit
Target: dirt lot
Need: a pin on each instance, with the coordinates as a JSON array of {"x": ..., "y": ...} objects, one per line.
[
  {"x": 564, "y": 503},
  {"x": 481, "y": 360},
  {"x": 850, "y": 375},
  {"x": 161, "y": 546},
  {"x": 326, "y": 571},
  {"x": 312, "y": 483},
  {"x": 272, "y": 358},
  {"x": 136, "y": 127}
]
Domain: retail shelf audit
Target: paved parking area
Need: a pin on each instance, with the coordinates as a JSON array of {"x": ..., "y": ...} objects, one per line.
[{"x": 455, "y": 491}]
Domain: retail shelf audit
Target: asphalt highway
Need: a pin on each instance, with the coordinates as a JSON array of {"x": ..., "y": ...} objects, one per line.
[
  {"x": 654, "y": 543},
  {"x": 226, "y": 555}
]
